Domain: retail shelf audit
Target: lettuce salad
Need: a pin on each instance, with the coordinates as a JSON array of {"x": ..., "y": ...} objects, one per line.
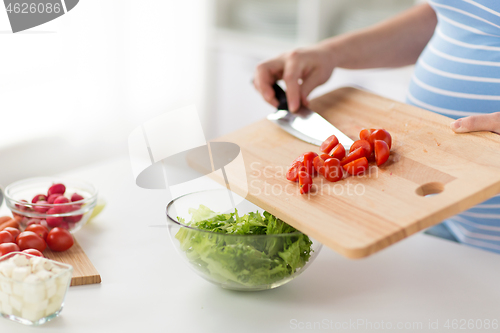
[{"x": 249, "y": 261}]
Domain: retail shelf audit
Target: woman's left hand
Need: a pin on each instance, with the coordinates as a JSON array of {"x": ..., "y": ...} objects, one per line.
[{"x": 484, "y": 122}]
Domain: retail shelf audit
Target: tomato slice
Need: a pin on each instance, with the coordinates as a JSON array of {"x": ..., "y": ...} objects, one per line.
[
  {"x": 363, "y": 144},
  {"x": 293, "y": 173},
  {"x": 319, "y": 164},
  {"x": 333, "y": 170},
  {"x": 309, "y": 162},
  {"x": 325, "y": 156},
  {"x": 354, "y": 155},
  {"x": 381, "y": 152},
  {"x": 357, "y": 167},
  {"x": 338, "y": 152},
  {"x": 365, "y": 133},
  {"x": 329, "y": 144},
  {"x": 305, "y": 180},
  {"x": 380, "y": 134}
]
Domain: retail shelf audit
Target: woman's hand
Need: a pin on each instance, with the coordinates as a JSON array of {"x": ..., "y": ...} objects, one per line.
[
  {"x": 302, "y": 70},
  {"x": 485, "y": 122}
]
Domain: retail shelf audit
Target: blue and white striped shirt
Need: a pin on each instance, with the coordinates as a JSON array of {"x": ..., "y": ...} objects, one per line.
[{"x": 458, "y": 75}]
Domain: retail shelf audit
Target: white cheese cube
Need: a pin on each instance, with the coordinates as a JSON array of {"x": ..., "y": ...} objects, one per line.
[
  {"x": 48, "y": 265},
  {"x": 40, "y": 306},
  {"x": 6, "y": 287},
  {"x": 21, "y": 273},
  {"x": 17, "y": 288},
  {"x": 7, "y": 308},
  {"x": 20, "y": 260},
  {"x": 61, "y": 290},
  {"x": 56, "y": 270},
  {"x": 53, "y": 306},
  {"x": 3, "y": 297},
  {"x": 64, "y": 278},
  {"x": 16, "y": 302},
  {"x": 44, "y": 275},
  {"x": 51, "y": 290},
  {"x": 6, "y": 268},
  {"x": 37, "y": 264},
  {"x": 50, "y": 283},
  {"x": 34, "y": 293},
  {"x": 32, "y": 315}
]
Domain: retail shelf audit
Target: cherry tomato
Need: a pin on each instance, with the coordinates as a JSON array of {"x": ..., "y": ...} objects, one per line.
[
  {"x": 293, "y": 173},
  {"x": 324, "y": 157},
  {"x": 8, "y": 248},
  {"x": 365, "y": 133},
  {"x": 328, "y": 144},
  {"x": 34, "y": 252},
  {"x": 319, "y": 164},
  {"x": 305, "y": 181},
  {"x": 13, "y": 231},
  {"x": 381, "y": 152},
  {"x": 380, "y": 134},
  {"x": 38, "y": 229},
  {"x": 6, "y": 237},
  {"x": 357, "y": 167},
  {"x": 309, "y": 162},
  {"x": 333, "y": 170},
  {"x": 338, "y": 152},
  {"x": 30, "y": 240},
  {"x": 354, "y": 155},
  {"x": 60, "y": 239},
  {"x": 363, "y": 144}
]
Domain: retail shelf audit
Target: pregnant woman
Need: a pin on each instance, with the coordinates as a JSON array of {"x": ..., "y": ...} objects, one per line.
[{"x": 456, "y": 47}]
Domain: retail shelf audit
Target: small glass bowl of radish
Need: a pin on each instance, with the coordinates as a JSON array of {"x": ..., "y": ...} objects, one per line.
[{"x": 51, "y": 201}]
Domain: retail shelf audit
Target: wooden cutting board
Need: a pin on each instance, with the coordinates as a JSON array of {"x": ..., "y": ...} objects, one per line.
[
  {"x": 84, "y": 271},
  {"x": 359, "y": 216}
]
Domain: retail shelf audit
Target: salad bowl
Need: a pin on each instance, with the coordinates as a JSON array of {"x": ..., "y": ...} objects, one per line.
[{"x": 239, "y": 248}]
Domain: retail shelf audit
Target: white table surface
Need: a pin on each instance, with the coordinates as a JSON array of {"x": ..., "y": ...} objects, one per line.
[{"x": 146, "y": 287}]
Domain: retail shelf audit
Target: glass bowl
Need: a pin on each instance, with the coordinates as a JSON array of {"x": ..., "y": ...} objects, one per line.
[
  {"x": 71, "y": 216},
  {"x": 32, "y": 301},
  {"x": 232, "y": 261}
]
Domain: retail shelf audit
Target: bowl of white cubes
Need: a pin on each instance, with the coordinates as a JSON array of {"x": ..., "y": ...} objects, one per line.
[{"x": 32, "y": 289}]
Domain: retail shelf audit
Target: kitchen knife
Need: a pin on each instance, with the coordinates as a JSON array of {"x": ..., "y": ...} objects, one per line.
[{"x": 305, "y": 124}]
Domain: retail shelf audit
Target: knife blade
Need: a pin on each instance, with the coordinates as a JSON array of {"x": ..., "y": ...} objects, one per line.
[{"x": 305, "y": 124}]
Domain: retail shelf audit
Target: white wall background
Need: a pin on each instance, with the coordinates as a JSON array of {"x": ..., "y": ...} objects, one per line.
[{"x": 72, "y": 89}]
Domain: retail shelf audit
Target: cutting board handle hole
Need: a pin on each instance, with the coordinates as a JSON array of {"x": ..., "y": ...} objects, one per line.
[{"x": 430, "y": 189}]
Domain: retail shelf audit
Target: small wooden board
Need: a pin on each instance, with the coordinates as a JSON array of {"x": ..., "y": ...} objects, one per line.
[
  {"x": 426, "y": 156},
  {"x": 84, "y": 271}
]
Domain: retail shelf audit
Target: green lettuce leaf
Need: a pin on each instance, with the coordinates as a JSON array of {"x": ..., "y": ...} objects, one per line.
[{"x": 249, "y": 261}]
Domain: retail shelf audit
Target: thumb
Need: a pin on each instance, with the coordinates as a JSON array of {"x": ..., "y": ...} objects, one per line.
[{"x": 483, "y": 122}]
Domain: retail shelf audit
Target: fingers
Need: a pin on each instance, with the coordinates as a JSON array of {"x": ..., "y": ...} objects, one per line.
[
  {"x": 291, "y": 75},
  {"x": 486, "y": 122},
  {"x": 309, "y": 83},
  {"x": 266, "y": 74}
]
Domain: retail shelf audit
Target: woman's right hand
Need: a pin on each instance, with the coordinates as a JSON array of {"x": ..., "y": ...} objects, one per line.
[{"x": 302, "y": 70}]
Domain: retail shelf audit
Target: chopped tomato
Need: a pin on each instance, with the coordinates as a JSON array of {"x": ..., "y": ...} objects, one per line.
[
  {"x": 325, "y": 156},
  {"x": 309, "y": 162},
  {"x": 329, "y": 144},
  {"x": 333, "y": 170},
  {"x": 381, "y": 152},
  {"x": 363, "y": 144},
  {"x": 357, "y": 167},
  {"x": 365, "y": 133},
  {"x": 380, "y": 134},
  {"x": 338, "y": 152},
  {"x": 319, "y": 164},
  {"x": 305, "y": 180},
  {"x": 293, "y": 173},
  {"x": 354, "y": 155}
]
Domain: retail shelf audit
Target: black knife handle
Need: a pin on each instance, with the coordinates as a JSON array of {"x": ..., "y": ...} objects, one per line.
[{"x": 280, "y": 96}]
